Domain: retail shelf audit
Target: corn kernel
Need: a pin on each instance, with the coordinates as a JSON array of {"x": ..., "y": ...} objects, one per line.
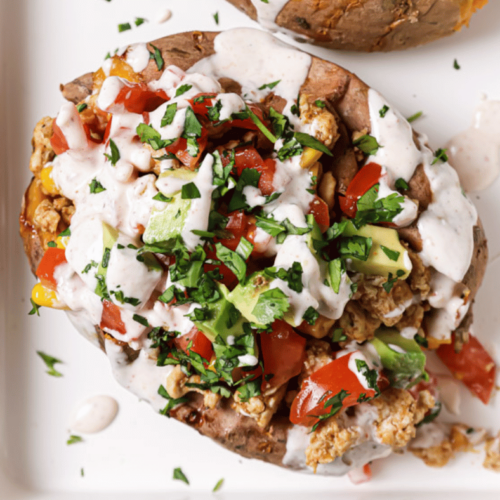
[
  {"x": 309, "y": 157},
  {"x": 45, "y": 297},
  {"x": 47, "y": 182},
  {"x": 435, "y": 343},
  {"x": 62, "y": 242}
]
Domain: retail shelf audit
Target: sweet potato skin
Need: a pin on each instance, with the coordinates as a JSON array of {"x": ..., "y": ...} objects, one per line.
[
  {"x": 348, "y": 97},
  {"x": 368, "y": 25}
]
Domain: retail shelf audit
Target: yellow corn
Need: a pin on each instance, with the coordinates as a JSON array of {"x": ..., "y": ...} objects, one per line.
[
  {"x": 62, "y": 242},
  {"x": 435, "y": 343},
  {"x": 47, "y": 182},
  {"x": 309, "y": 157},
  {"x": 45, "y": 297}
]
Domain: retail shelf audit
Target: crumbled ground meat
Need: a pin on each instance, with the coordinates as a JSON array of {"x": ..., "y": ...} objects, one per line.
[
  {"x": 492, "y": 460},
  {"x": 357, "y": 323},
  {"x": 457, "y": 441},
  {"x": 260, "y": 408},
  {"x": 398, "y": 415},
  {"x": 331, "y": 440},
  {"x": 65, "y": 207},
  {"x": 379, "y": 303},
  {"x": 46, "y": 217},
  {"x": 318, "y": 354},
  {"x": 324, "y": 125},
  {"x": 395, "y": 417},
  {"x": 420, "y": 276},
  {"x": 42, "y": 149},
  {"x": 320, "y": 329},
  {"x": 176, "y": 387},
  {"x": 412, "y": 317}
]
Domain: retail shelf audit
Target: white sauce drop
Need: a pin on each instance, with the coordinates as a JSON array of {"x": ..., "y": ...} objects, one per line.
[
  {"x": 94, "y": 415},
  {"x": 164, "y": 16},
  {"x": 475, "y": 153}
]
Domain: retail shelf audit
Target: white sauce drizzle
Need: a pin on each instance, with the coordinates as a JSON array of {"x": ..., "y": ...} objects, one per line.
[
  {"x": 94, "y": 414},
  {"x": 475, "y": 153},
  {"x": 138, "y": 57}
]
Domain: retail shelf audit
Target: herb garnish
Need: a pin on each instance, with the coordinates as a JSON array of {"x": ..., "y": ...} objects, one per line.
[
  {"x": 178, "y": 474},
  {"x": 115, "y": 153},
  {"x": 50, "y": 361}
]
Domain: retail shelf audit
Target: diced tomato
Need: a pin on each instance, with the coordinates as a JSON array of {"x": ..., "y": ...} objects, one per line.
[
  {"x": 200, "y": 343},
  {"x": 58, "y": 141},
  {"x": 248, "y": 157},
  {"x": 248, "y": 123},
  {"x": 108, "y": 130},
  {"x": 238, "y": 226},
  {"x": 361, "y": 475},
  {"x": 472, "y": 365},
  {"x": 52, "y": 258},
  {"x": 179, "y": 149},
  {"x": 228, "y": 277},
  {"x": 321, "y": 212},
  {"x": 283, "y": 351},
  {"x": 322, "y": 385},
  {"x": 111, "y": 318},
  {"x": 200, "y": 107},
  {"x": 365, "y": 179},
  {"x": 138, "y": 98}
]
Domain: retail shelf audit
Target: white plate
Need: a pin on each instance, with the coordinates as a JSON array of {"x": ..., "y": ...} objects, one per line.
[{"x": 47, "y": 42}]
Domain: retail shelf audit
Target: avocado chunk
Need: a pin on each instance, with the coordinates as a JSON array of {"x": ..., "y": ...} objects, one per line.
[
  {"x": 402, "y": 358},
  {"x": 167, "y": 224},
  {"x": 225, "y": 320},
  {"x": 109, "y": 238},
  {"x": 382, "y": 261}
]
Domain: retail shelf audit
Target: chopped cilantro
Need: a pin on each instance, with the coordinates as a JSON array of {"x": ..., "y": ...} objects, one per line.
[
  {"x": 383, "y": 111},
  {"x": 157, "y": 57},
  {"x": 311, "y": 316},
  {"x": 169, "y": 115},
  {"x": 190, "y": 191},
  {"x": 96, "y": 187},
  {"x": 269, "y": 85},
  {"x": 414, "y": 117},
  {"x": 74, "y": 439},
  {"x": 124, "y": 27},
  {"x": 50, "y": 361},
  {"x": 272, "y": 304},
  {"x": 402, "y": 185},
  {"x": 183, "y": 89},
  {"x": 179, "y": 475},
  {"x": 392, "y": 254},
  {"x": 368, "y": 144},
  {"x": 115, "y": 153},
  {"x": 440, "y": 155}
]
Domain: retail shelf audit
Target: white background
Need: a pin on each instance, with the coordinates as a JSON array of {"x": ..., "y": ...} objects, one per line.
[{"x": 46, "y": 42}]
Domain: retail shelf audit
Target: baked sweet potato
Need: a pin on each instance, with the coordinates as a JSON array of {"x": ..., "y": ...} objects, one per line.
[
  {"x": 364, "y": 25},
  {"x": 257, "y": 426}
]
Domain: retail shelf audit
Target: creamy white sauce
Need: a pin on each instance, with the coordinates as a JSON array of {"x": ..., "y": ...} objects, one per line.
[
  {"x": 255, "y": 58},
  {"x": 141, "y": 377},
  {"x": 398, "y": 152},
  {"x": 368, "y": 448},
  {"x": 430, "y": 435},
  {"x": 164, "y": 16},
  {"x": 475, "y": 153},
  {"x": 450, "y": 301},
  {"x": 449, "y": 393},
  {"x": 138, "y": 57},
  {"x": 68, "y": 120},
  {"x": 94, "y": 414}
]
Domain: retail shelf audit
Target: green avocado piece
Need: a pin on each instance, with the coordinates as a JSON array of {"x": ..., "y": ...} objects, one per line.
[
  {"x": 379, "y": 263},
  {"x": 225, "y": 320},
  {"x": 167, "y": 224},
  {"x": 405, "y": 369},
  {"x": 314, "y": 234},
  {"x": 109, "y": 238},
  {"x": 245, "y": 297}
]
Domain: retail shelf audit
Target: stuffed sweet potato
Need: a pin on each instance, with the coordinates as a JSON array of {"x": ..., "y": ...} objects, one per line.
[
  {"x": 260, "y": 244},
  {"x": 364, "y": 25}
]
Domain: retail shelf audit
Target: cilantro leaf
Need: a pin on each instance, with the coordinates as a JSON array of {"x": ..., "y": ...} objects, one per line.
[
  {"x": 336, "y": 268},
  {"x": 402, "y": 185},
  {"x": 124, "y": 27},
  {"x": 115, "y": 153},
  {"x": 35, "y": 309},
  {"x": 355, "y": 247},
  {"x": 74, "y": 439},
  {"x": 172, "y": 403},
  {"x": 158, "y": 58},
  {"x": 414, "y": 117},
  {"x": 269, "y": 86},
  {"x": 96, "y": 187},
  {"x": 440, "y": 154},
  {"x": 311, "y": 142},
  {"x": 311, "y": 316},
  {"x": 249, "y": 177},
  {"x": 368, "y": 144},
  {"x": 335, "y": 403},
  {"x": 169, "y": 115},
  {"x": 183, "y": 89},
  {"x": 383, "y": 111},
  {"x": 232, "y": 260},
  {"x": 272, "y": 304},
  {"x": 50, "y": 361},
  {"x": 392, "y": 254},
  {"x": 190, "y": 191}
]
